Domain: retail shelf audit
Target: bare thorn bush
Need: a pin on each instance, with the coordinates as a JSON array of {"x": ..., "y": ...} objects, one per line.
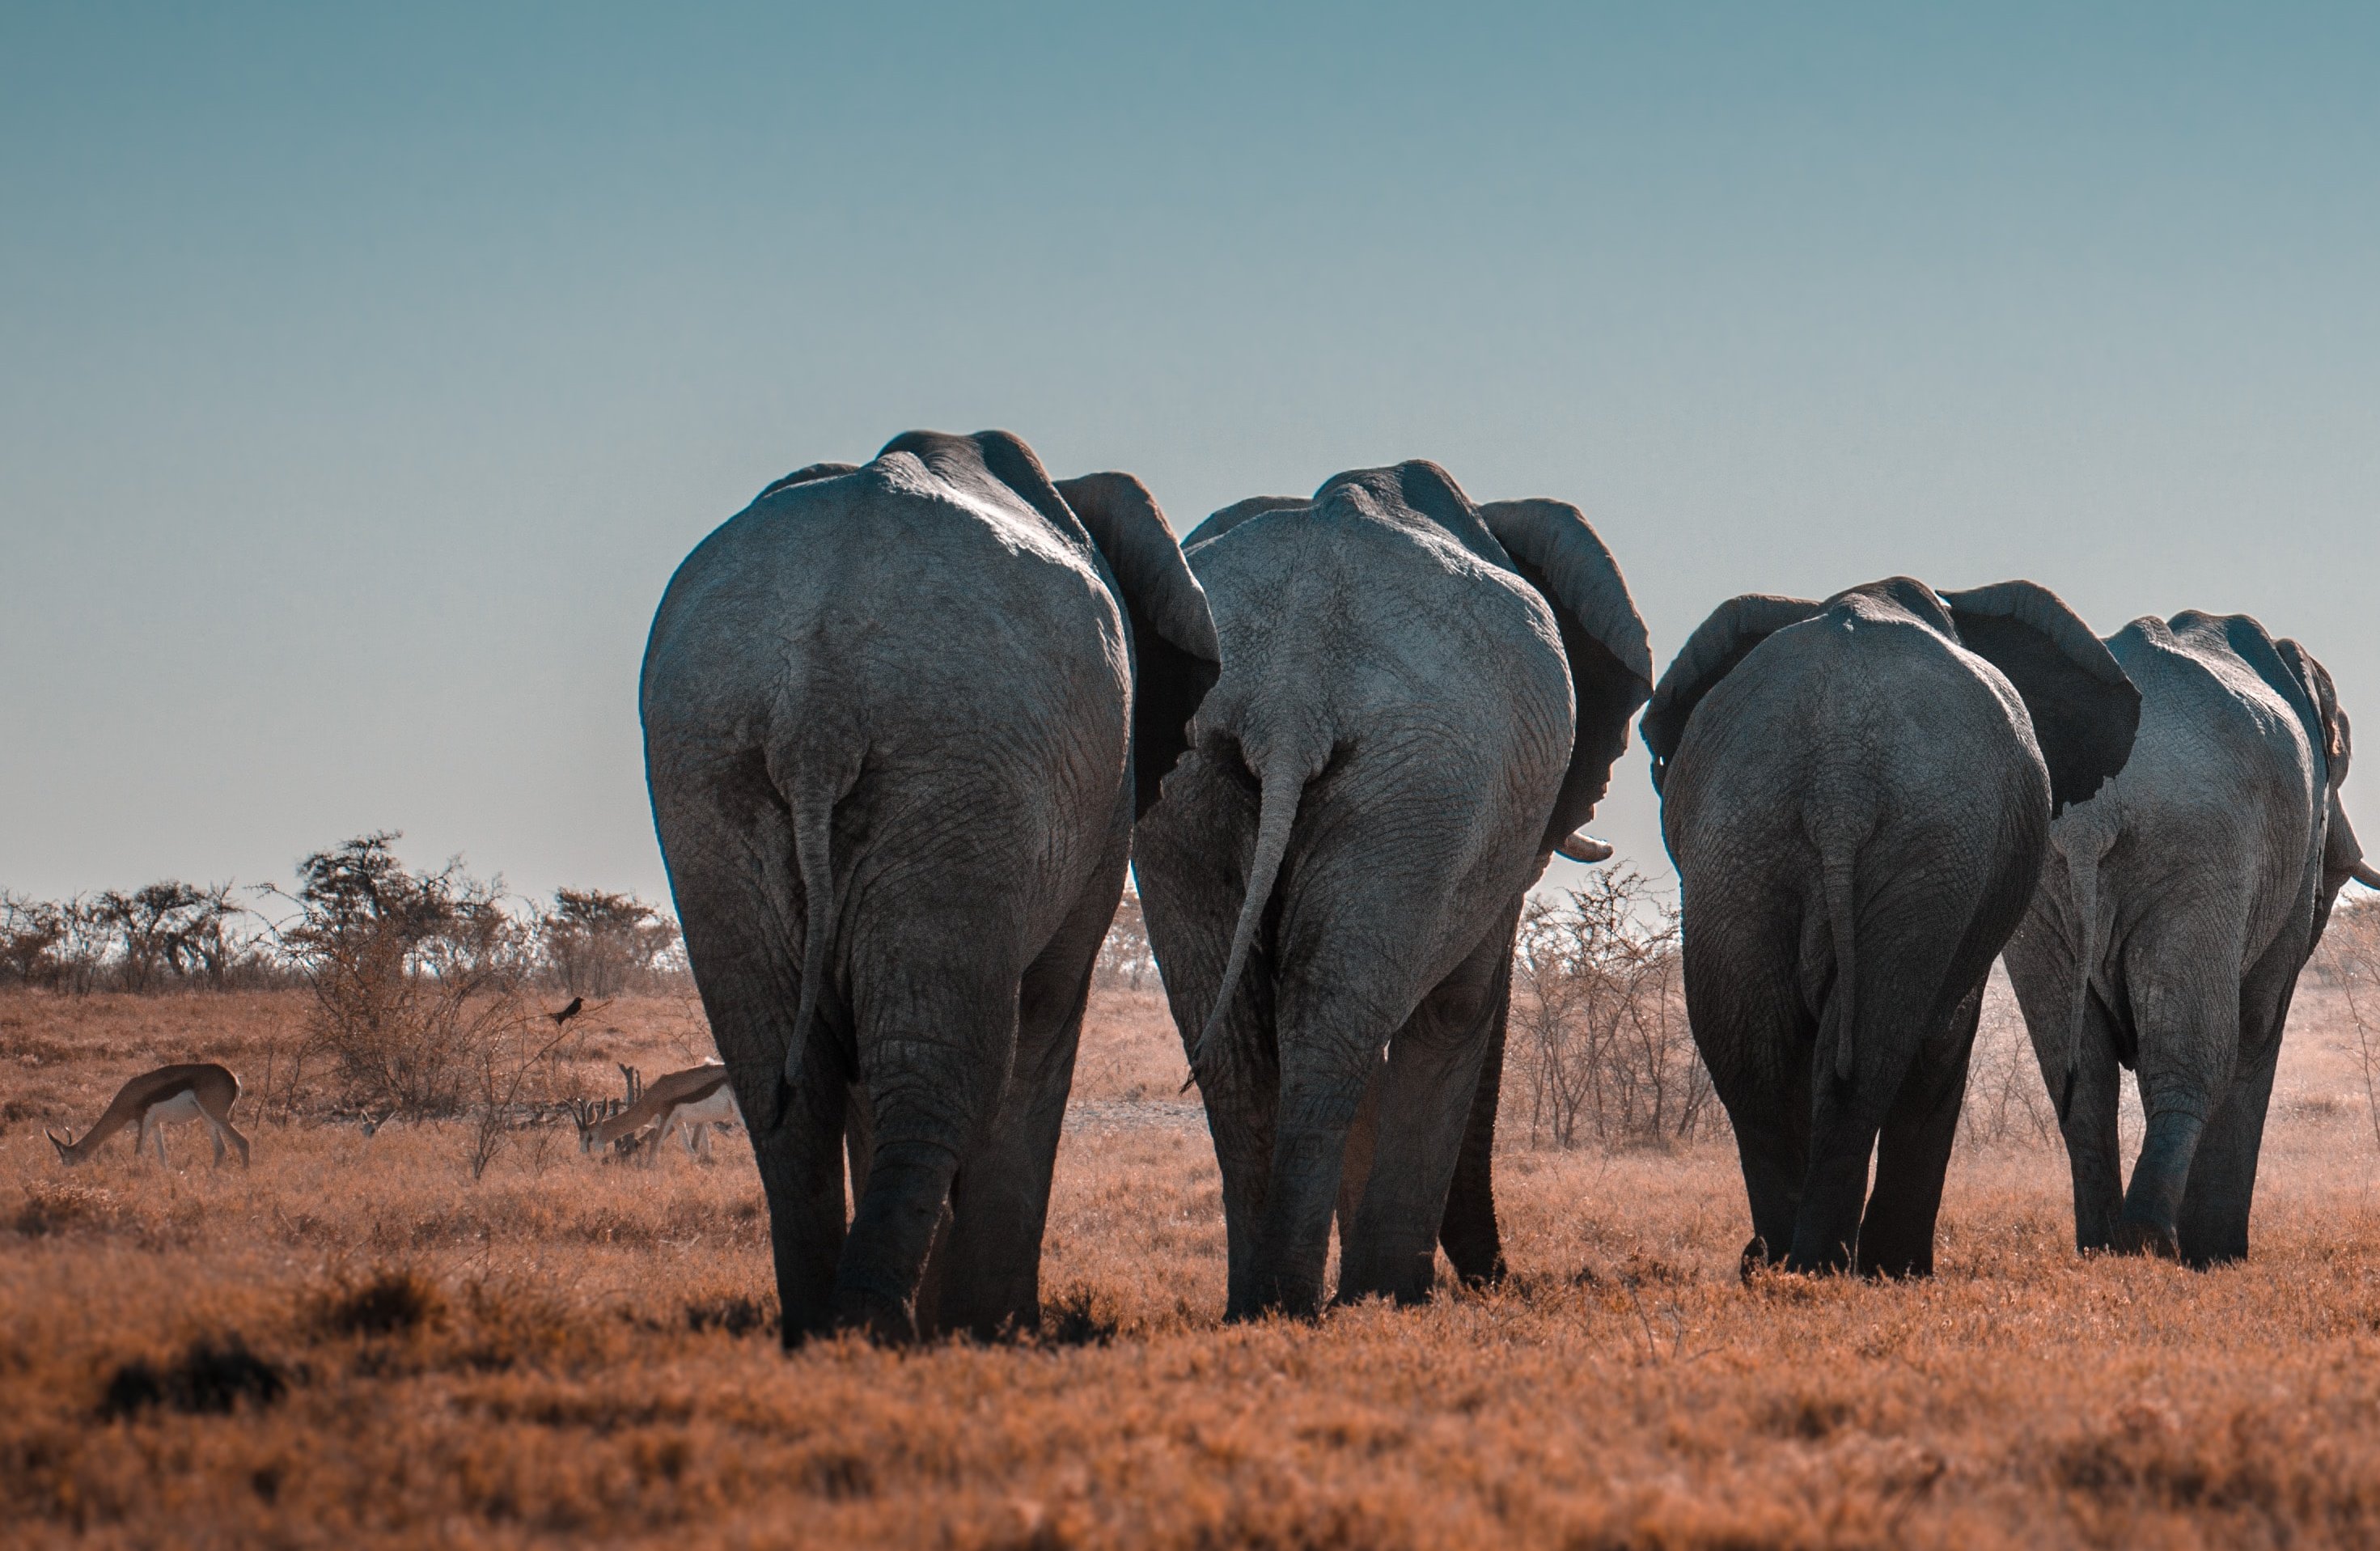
[
  {"x": 1126, "y": 959},
  {"x": 2348, "y": 959},
  {"x": 2006, "y": 1102},
  {"x": 419, "y": 979},
  {"x": 1599, "y": 1040}
]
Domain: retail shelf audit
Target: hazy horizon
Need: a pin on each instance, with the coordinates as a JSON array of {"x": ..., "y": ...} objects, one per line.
[{"x": 364, "y": 376}]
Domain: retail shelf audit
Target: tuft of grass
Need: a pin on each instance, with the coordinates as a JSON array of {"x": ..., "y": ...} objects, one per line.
[
  {"x": 211, "y": 1377},
  {"x": 392, "y": 1300},
  {"x": 57, "y": 1205},
  {"x": 1073, "y": 1319},
  {"x": 732, "y": 1313}
]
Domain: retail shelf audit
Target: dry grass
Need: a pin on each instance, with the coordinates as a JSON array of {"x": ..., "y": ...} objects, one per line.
[{"x": 353, "y": 1343}]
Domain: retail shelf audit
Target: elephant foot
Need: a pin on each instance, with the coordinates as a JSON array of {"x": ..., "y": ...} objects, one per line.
[
  {"x": 884, "y": 1321},
  {"x": 2148, "y": 1238},
  {"x": 1754, "y": 1259}
]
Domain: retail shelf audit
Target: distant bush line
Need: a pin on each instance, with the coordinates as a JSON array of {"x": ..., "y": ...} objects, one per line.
[{"x": 172, "y": 936}]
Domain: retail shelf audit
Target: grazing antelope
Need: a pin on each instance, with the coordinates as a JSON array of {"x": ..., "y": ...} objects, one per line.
[
  {"x": 688, "y": 1102},
  {"x": 198, "y": 1091}
]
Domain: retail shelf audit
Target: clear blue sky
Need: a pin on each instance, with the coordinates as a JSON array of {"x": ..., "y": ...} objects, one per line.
[{"x": 365, "y": 371}]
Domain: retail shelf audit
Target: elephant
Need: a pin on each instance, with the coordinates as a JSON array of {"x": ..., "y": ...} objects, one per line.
[
  {"x": 2171, "y": 921},
  {"x": 1857, "y": 794},
  {"x": 1421, "y": 699},
  {"x": 899, "y": 720}
]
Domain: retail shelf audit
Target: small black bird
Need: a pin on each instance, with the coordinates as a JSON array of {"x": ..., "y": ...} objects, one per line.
[{"x": 568, "y": 1013}]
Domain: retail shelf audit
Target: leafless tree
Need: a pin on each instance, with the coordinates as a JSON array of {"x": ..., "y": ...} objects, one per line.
[
  {"x": 172, "y": 931},
  {"x": 30, "y": 934},
  {"x": 600, "y": 944}
]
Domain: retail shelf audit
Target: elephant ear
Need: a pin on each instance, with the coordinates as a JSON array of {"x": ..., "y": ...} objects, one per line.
[
  {"x": 2084, "y": 710},
  {"x": 1238, "y": 512},
  {"x": 2338, "y": 745},
  {"x": 1610, "y": 660},
  {"x": 1176, "y": 654},
  {"x": 1709, "y": 655},
  {"x": 804, "y": 476}
]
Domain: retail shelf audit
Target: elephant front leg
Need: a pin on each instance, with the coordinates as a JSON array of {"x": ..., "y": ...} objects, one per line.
[{"x": 1363, "y": 1138}]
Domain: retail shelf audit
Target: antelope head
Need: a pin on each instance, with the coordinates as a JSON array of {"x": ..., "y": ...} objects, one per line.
[{"x": 67, "y": 1153}]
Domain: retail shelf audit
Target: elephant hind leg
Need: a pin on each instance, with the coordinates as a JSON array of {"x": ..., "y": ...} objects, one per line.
[
  {"x": 1468, "y": 1232},
  {"x": 1427, "y": 1101},
  {"x": 1846, "y": 1116},
  {"x": 2213, "y": 1226},
  {"x": 743, "y": 924},
  {"x": 937, "y": 1026},
  {"x": 988, "y": 1268},
  {"x": 1914, "y": 1151},
  {"x": 2094, "y": 1152}
]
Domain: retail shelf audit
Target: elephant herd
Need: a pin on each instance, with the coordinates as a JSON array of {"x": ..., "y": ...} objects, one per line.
[{"x": 905, "y": 723}]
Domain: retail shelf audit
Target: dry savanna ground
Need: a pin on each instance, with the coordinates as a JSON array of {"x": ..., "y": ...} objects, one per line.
[{"x": 353, "y": 1343}]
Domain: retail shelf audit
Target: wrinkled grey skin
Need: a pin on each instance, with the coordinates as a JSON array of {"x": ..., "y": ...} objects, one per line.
[
  {"x": 898, "y": 721},
  {"x": 1337, "y": 866},
  {"x": 1857, "y": 794},
  {"x": 2171, "y": 921}
]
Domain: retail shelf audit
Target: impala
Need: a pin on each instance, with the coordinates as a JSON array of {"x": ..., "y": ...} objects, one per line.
[
  {"x": 198, "y": 1091},
  {"x": 687, "y": 1101}
]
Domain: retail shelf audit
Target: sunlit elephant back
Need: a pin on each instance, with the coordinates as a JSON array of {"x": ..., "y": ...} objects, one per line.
[
  {"x": 1857, "y": 794},
  {"x": 2177, "y": 908},
  {"x": 1420, "y": 698},
  {"x": 896, "y": 722}
]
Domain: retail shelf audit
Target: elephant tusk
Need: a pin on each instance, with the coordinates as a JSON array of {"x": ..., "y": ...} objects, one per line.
[
  {"x": 2366, "y": 874},
  {"x": 1584, "y": 847}
]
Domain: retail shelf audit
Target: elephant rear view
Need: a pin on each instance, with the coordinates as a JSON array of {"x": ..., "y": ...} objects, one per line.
[
  {"x": 1421, "y": 699},
  {"x": 2175, "y": 911},
  {"x": 899, "y": 720},
  {"x": 1857, "y": 794}
]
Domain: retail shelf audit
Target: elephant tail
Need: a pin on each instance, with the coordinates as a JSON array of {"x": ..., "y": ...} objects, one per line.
[
  {"x": 1282, "y": 783},
  {"x": 1835, "y": 878},
  {"x": 813, "y": 834},
  {"x": 2083, "y": 884}
]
